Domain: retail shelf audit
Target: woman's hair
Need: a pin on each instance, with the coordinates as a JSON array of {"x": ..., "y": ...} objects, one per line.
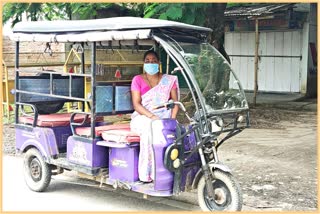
[{"x": 150, "y": 52}]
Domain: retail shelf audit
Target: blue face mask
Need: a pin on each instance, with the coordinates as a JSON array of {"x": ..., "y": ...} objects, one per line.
[{"x": 151, "y": 68}]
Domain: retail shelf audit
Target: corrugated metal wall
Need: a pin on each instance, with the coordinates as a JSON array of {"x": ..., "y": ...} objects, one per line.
[{"x": 279, "y": 63}]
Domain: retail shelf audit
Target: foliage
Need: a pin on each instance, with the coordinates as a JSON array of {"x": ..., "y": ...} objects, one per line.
[
  {"x": 16, "y": 10},
  {"x": 229, "y": 5},
  {"x": 86, "y": 10},
  {"x": 190, "y": 13},
  {"x": 134, "y": 9},
  {"x": 51, "y": 11}
]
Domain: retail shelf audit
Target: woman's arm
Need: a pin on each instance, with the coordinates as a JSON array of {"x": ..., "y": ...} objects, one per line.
[
  {"x": 174, "y": 97},
  {"x": 136, "y": 101}
]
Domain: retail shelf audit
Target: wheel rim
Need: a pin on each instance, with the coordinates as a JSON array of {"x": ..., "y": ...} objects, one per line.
[
  {"x": 222, "y": 196},
  {"x": 35, "y": 169}
]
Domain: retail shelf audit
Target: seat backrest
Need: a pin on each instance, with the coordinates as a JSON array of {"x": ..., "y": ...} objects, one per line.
[{"x": 54, "y": 120}]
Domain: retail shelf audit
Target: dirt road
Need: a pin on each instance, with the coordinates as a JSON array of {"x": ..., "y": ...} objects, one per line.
[
  {"x": 277, "y": 167},
  {"x": 275, "y": 160}
]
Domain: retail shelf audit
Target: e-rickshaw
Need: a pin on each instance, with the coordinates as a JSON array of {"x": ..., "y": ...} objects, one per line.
[{"x": 213, "y": 108}]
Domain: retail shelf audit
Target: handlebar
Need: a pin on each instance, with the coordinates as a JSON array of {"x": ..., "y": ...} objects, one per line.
[{"x": 170, "y": 105}]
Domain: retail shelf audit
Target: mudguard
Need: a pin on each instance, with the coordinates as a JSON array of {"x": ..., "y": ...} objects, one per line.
[
  {"x": 212, "y": 166},
  {"x": 41, "y": 138},
  {"x": 220, "y": 166}
]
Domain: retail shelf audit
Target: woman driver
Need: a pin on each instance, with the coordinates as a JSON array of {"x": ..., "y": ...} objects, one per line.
[{"x": 148, "y": 90}]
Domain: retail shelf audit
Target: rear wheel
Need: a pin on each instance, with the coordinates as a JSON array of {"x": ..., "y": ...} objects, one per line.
[
  {"x": 227, "y": 193},
  {"x": 37, "y": 172}
]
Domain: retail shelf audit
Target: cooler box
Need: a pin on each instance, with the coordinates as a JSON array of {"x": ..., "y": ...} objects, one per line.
[{"x": 123, "y": 163}]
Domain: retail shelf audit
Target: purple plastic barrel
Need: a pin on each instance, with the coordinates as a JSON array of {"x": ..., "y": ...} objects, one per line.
[{"x": 163, "y": 135}]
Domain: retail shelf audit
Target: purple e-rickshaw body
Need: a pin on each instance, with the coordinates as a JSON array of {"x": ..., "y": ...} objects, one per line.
[{"x": 121, "y": 159}]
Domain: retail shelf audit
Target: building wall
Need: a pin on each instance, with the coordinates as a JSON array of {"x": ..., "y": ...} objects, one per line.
[
  {"x": 279, "y": 59},
  {"x": 290, "y": 47},
  {"x": 31, "y": 52}
]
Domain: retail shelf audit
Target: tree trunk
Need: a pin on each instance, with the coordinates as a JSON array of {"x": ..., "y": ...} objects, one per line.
[{"x": 215, "y": 21}]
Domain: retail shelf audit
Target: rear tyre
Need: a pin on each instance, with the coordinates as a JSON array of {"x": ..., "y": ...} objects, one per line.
[
  {"x": 37, "y": 172},
  {"x": 227, "y": 197}
]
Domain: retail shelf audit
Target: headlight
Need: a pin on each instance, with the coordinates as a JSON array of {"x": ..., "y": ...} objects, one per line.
[
  {"x": 176, "y": 163},
  {"x": 174, "y": 154}
]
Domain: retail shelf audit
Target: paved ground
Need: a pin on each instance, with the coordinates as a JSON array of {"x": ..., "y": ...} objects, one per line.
[{"x": 69, "y": 193}]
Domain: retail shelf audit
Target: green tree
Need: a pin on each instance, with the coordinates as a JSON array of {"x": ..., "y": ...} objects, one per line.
[
  {"x": 203, "y": 14},
  {"x": 207, "y": 15},
  {"x": 54, "y": 11},
  {"x": 16, "y": 10}
]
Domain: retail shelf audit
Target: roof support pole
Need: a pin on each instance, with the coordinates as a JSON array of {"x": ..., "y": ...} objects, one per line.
[
  {"x": 256, "y": 64},
  {"x": 16, "y": 82},
  {"x": 168, "y": 63},
  {"x": 83, "y": 71},
  {"x": 93, "y": 87}
]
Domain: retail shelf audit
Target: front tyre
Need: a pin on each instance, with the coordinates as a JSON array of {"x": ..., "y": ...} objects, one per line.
[
  {"x": 37, "y": 172},
  {"x": 227, "y": 193}
]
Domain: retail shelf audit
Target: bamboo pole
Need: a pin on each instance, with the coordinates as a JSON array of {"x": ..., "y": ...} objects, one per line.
[
  {"x": 7, "y": 91},
  {"x": 256, "y": 64},
  {"x": 6, "y": 83}
]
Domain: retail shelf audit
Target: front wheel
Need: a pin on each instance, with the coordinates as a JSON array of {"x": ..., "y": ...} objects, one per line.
[
  {"x": 37, "y": 172},
  {"x": 227, "y": 193}
]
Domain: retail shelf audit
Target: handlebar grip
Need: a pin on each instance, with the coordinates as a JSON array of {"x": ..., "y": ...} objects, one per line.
[
  {"x": 159, "y": 106},
  {"x": 169, "y": 104}
]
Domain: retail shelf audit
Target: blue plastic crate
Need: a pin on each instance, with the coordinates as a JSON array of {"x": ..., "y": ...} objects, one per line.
[
  {"x": 104, "y": 98},
  {"x": 123, "y": 101}
]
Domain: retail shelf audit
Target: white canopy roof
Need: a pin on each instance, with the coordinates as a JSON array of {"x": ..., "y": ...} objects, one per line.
[{"x": 117, "y": 28}]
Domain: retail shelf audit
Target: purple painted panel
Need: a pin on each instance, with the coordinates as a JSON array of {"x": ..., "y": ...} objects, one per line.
[
  {"x": 189, "y": 173},
  {"x": 87, "y": 153},
  {"x": 41, "y": 138},
  {"x": 123, "y": 163},
  {"x": 190, "y": 143},
  {"x": 163, "y": 135},
  {"x": 62, "y": 133}
]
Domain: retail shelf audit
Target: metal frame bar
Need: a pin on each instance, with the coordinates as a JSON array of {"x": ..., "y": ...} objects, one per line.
[
  {"x": 16, "y": 97},
  {"x": 56, "y": 64},
  {"x": 52, "y": 95},
  {"x": 61, "y": 73},
  {"x": 93, "y": 88},
  {"x": 35, "y": 111},
  {"x": 82, "y": 72}
]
